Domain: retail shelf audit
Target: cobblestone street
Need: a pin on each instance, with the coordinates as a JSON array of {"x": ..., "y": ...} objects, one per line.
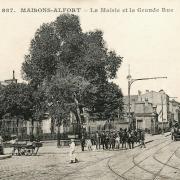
[{"x": 159, "y": 160}]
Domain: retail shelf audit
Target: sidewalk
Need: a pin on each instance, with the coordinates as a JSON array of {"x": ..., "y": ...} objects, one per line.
[
  {"x": 65, "y": 149},
  {"x": 5, "y": 156},
  {"x": 149, "y": 137},
  {"x": 51, "y": 148}
]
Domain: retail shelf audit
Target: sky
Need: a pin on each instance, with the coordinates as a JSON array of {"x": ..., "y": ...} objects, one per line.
[{"x": 147, "y": 41}]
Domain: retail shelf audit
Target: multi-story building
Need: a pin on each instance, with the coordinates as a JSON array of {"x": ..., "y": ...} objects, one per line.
[
  {"x": 161, "y": 101},
  {"x": 144, "y": 103},
  {"x": 143, "y": 113},
  {"x": 174, "y": 108}
]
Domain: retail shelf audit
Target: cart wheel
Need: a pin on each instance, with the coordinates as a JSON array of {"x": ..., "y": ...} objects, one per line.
[
  {"x": 29, "y": 152},
  {"x": 22, "y": 152},
  {"x": 26, "y": 152}
]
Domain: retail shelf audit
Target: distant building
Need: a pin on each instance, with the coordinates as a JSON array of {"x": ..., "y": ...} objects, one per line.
[
  {"x": 143, "y": 105},
  {"x": 143, "y": 113},
  {"x": 174, "y": 108},
  {"x": 161, "y": 101},
  {"x": 9, "y": 81}
]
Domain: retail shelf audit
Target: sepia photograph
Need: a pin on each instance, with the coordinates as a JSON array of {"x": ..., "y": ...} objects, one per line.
[{"x": 89, "y": 90}]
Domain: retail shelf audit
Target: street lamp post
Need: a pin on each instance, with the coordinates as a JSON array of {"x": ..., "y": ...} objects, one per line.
[{"x": 130, "y": 82}]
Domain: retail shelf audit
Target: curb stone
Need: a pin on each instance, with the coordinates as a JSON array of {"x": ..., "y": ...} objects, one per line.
[{"x": 5, "y": 156}]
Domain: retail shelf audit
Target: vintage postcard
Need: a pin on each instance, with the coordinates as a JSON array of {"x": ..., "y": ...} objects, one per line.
[{"x": 89, "y": 89}]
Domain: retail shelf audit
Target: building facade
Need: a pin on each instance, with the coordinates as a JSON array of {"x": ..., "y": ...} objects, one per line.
[
  {"x": 174, "y": 108},
  {"x": 143, "y": 113},
  {"x": 152, "y": 104},
  {"x": 161, "y": 101}
]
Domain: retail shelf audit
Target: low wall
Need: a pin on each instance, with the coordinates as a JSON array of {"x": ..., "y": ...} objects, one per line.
[{"x": 103, "y": 125}]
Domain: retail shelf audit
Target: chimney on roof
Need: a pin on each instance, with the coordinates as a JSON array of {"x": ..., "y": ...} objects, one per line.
[{"x": 13, "y": 74}]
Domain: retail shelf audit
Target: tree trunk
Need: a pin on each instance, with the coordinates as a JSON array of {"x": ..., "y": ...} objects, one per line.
[{"x": 58, "y": 136}]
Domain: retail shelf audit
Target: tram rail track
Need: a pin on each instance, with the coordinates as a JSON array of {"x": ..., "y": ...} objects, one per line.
[
  {"x": 148, "y": 171},
  {"x": 165, "y": 164},
  {"x": 122, "y": 175}
]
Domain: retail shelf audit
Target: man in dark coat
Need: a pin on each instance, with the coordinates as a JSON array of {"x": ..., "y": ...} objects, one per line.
[
  {"x": 107, "y": 140},
  {"x": 124, "y": 138},
  {"x": 103, "y": 139},
  {"x": 129, "y": 138},
  {"x": 82, "y": 143}
]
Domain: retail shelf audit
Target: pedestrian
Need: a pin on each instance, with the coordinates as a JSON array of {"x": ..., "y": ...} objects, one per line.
[
  {"x": 89, "y": 144},
  {"x": 72, "y": 152},
  {"x": 111, "y": 140},
  {"x": 97, "y": 140},
  {"x": 117, "y": 141},
  {"x": 129, "y": 138},
  {"x": 135, "y": 135},
  {"x": 92, "y": 137},
  {"x": 120, "y": 134},
  {"x": 13, "y": 141},
  {"x": 1, "y": 146},
  {"x": 107, "y": 140},
  {"x": 143, "y": 139},
  {"x": 114, "y": 140},
  {"x": 172, "y": 133},
  {"x": 103, "y": 139},
  {"x": 133, "y": 138},
  {"x": 82, "y": 143},
  {"x": 138, "y": 138},
  {"x": 124, "y": 138}
]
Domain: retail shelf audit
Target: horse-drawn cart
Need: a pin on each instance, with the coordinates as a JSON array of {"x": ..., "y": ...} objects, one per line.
[{"x": 26, "y": 148}]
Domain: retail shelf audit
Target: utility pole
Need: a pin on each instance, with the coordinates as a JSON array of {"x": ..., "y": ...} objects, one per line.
[{"x": 130, "y": 82}]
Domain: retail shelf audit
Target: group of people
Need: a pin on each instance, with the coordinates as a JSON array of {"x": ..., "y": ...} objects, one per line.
[
  {"x": 114, "y": 139},
  {"x": 109, "y": 140}
]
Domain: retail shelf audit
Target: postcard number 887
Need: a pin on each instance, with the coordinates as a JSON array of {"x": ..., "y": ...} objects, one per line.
[{"x": 7, "y": 10}]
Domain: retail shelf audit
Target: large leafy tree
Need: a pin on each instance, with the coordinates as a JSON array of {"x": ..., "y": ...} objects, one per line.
[
  {"x": 109, "y": 101},
  {"x": 60, "y": 50},
  {"x": 61, "y": 94},
  {"x": 22, "y": 100},
  {"x": 16, "y": 100}
]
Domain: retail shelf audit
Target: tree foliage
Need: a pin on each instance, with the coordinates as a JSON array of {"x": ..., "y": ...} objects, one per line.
[
  {"x": 109, "y": 99},
  {"x": 67, "y": 60},
  {"x": 16, "y": 100},
  {"x": 21, "y": 100}
]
